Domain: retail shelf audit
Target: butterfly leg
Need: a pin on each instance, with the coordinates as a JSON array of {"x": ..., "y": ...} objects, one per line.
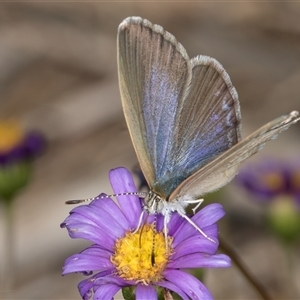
[
  {"x": 166, "y": 221},
  {"x": 197, "y": 201},
  {"x": 195, "y": 226},
  {"x": 140, "y": 222}
]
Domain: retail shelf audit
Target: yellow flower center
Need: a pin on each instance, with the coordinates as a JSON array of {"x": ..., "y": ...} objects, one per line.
[
  {"x": 273, "y": 181},
  {"x": 142, "y": 256},
  {"x": 11, "y": 135}
]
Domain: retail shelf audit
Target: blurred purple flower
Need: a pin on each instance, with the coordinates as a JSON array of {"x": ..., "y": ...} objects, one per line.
[
  {"x": 17, "y": 149},
  {"x": 125, "y": 258},
  {"x": 16, "y": 146},
  {"x": 272, "y": 178}
]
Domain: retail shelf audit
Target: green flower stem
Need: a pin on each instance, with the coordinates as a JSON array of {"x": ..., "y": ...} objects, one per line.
[
  {"x": 226, "y": 247},
  {"x": 7, "y": 268}
]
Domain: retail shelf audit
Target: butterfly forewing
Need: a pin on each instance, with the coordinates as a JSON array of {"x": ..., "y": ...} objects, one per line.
[{"x": 154, "y": 72}]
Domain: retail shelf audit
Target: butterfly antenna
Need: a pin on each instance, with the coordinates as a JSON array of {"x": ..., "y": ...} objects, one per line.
[{"x": 77, "y": 201}]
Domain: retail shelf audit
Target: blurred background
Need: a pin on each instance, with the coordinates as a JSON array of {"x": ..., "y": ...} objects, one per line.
[{"x": 58, "y": 75}]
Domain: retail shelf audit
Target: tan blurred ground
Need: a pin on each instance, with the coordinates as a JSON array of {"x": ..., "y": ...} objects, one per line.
[{"x": 58, "y": 74}]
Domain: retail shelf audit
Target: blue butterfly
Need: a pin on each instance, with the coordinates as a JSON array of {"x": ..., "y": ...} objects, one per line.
[{"x": 184, "y": 118}]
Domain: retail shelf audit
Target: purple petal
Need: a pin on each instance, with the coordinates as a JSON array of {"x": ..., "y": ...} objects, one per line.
[
  {"x": 209, "y": 215},
  {"x": 195, "y": 244},
  {"x": 175, "y": 223},
  {"x": 91, "y": 259},
  {"x": 191, "y": 286},
  {"x": 172, "y": 287},
  {"x": 113, "y": 279},
  {"x": 106, "y": 291},
  {"x": 192, "y": 233},
  {"x": 201, "y": 260},
  {"x": 96, "y": 250},
  {"x": 89, "y": 232},
  {"x": 110, "y": 208},
  {"x": 105, "y": 287},
  {"x": 84, "y": 263},
  {"x": 145, "y": 292},
  {"x": 103, "y": 223},
  {"x": 104, "y": 213},
  {"x": 122, "y": 182},
  {"x": 85, "y": 286}
]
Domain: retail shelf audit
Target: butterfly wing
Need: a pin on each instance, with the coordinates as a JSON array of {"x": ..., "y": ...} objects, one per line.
[
  {"x": 209, "y": 122},
  {"x": 221, "y": 170},
  {"x": 154, "y": 72},
  {"x": 181, "y": 113}
]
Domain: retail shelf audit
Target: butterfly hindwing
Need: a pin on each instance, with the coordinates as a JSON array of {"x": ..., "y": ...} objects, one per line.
[
  {"x": 222, "y": 169},
  {"x": 209, "y": 122}
]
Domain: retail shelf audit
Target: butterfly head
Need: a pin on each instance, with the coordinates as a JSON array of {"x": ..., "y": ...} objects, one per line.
[{"x": 154, "y": 203}]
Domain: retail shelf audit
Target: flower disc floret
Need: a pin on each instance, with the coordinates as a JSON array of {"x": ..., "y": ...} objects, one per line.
[{"x": 142, "y": 256}]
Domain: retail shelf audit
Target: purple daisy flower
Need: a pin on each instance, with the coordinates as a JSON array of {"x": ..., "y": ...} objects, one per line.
[
  {"x": 126, "y": 257},
  {"x": 272, "y": 178}
]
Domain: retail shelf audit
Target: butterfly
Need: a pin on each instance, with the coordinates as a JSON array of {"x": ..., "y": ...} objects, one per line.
[{"x": 183, "y": 117}]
